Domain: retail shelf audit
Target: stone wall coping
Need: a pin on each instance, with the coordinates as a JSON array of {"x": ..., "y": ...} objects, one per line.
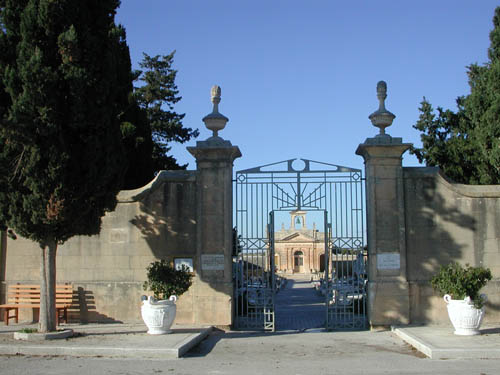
[
  {"x": 129, "y": 196},
  {"x": 472, "y": 191}
]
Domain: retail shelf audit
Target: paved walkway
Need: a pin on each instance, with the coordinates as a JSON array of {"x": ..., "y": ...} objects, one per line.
[
  {"x": 107, "y": 340},
  {"x": 242, "y": 353},
  {"x": 439, "y": 342},
  {"x": 298, "y": 306}
]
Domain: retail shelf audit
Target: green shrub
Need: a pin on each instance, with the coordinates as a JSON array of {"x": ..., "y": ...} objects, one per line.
[
  {"x": 28, "y": 330},
  {"x": 460, "y": 282},
  {"x": 165, "y": 281}
]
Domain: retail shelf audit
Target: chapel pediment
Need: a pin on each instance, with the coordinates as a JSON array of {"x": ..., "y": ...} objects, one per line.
[{"x": 295, "y": 237}]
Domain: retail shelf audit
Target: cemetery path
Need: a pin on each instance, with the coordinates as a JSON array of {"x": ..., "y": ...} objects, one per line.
[{"x": 298, "y": 306}]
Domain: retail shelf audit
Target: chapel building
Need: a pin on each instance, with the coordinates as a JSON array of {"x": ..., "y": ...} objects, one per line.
[{"x": 299, "y": 250}]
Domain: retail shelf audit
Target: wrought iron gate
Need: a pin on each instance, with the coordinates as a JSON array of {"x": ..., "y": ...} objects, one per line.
[{"x": 300, "y": 185}]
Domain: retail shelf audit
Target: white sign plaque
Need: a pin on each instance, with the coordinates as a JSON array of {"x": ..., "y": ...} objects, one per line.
[
  {"x": 212, "y": 262},
  {"x": 186, "y": 262},
  {"x": 388, "y": 261}
]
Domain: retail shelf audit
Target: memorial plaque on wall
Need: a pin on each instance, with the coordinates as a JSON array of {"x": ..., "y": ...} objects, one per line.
[
  {"x": 118, "y": 235},
  {"x": 212, "y": 262},
  {"x": 388, "y": 261}
]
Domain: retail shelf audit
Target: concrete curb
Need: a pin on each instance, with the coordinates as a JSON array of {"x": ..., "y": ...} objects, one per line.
[
  {"x": 190, "y": 342},
  {"x": 175, "y": 351},
  {"x": 418, "y": 344},
  {"x": 82, "y": 351},
  {"x": 35, "y": 336}
]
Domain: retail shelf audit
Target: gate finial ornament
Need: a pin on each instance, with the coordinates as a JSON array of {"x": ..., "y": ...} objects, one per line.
[
  {"x": 215, "y": 92},
  {"x": 215, "y": 121},
  {"x": 382, "y": 118}
]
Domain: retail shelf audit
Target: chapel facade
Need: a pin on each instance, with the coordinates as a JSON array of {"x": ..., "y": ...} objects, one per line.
[{"x": 299, "y": 250}]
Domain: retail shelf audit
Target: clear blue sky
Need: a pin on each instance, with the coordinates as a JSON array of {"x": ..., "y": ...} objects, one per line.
[{"x": 298, "y": 77}]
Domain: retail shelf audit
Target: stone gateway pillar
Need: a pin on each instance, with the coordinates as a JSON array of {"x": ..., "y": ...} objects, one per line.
[
  {"x": 214, "y": 159},
  {"x": 388, "y": 289}
]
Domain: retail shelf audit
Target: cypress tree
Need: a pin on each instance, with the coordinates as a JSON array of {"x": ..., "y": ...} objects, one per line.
[{"x": 65, "y": 83}]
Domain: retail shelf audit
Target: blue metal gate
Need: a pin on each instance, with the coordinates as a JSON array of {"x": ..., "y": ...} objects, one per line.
[{"x": 298, "y": 185}]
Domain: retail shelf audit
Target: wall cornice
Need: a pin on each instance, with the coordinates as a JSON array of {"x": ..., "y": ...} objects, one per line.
[{"x": 472, "y": 191}]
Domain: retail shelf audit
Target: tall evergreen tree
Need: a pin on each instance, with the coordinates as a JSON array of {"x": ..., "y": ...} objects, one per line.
[
  {"x": 156, "y": 96},
  {"x": 466, "y": 144},
  {"x": 138, "y": 144},
  {"x": 65, "y": 82}
]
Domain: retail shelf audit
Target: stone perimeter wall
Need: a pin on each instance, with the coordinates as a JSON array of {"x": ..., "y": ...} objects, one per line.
[
  {"x": 448, "y": 222},
  {"x": 107, "y": 271},
  {"x": 441, "y": 222}
]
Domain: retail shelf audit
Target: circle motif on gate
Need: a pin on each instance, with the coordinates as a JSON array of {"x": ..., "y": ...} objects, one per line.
[
  {"x": 241, "y": 178},
  {"x": 298, "y": 165}
]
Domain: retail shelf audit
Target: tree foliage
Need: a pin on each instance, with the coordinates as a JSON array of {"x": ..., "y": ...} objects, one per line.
[
  {"x": 154, "y": 124},
  {"x": 466, "y": 144},
  {"x": 65, "y": 83}
]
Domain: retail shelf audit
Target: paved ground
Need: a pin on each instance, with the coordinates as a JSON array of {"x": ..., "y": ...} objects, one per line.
[
  {"x": 440, "y": 342},
  {"x": 311, "y": 352},
  {"x": 107, "y": 340},
  {"x": 298, "y": 306}
]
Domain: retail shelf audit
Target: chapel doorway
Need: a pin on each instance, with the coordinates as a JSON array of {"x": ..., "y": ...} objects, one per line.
[{"x": 298, "y": 262}]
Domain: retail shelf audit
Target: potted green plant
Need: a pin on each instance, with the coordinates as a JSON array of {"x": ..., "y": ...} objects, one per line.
[
  {"x": 460, "y": 288},
  {"x": 164, "y": 281}
]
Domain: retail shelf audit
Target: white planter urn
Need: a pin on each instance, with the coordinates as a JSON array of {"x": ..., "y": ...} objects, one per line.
[
  {"x": 158, "y": 315},
  {"x": 464, "y": 316}
]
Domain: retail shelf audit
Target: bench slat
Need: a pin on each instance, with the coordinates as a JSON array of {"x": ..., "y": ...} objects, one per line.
[
  {"x": 30, "y": 290},
  {"x": 37, "y": 301},
  {"x": 35, "y": 292},
  {"x": 37, "y": 296},
  {"x": 34, "y": 286},
  {"x": 15, "y": 305}
]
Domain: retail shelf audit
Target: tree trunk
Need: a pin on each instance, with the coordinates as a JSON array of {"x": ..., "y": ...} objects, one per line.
[{"x": 47, "y": 319}]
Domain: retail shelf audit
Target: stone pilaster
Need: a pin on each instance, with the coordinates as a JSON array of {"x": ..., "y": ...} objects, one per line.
[
  {"x": 214, "y": 160},
  {"x": 388, "y": 289}
]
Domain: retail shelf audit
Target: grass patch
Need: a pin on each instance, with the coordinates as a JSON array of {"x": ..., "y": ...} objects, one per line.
[{"x": 28, "y": 330}]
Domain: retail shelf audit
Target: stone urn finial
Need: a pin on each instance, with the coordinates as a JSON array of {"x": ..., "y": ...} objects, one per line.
[
  {"x": 381, "y": 94},
  {"x": 215, "y": 92},
  {"x": 381, "y": 118},
  {"x": 215, "y": 121}
]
